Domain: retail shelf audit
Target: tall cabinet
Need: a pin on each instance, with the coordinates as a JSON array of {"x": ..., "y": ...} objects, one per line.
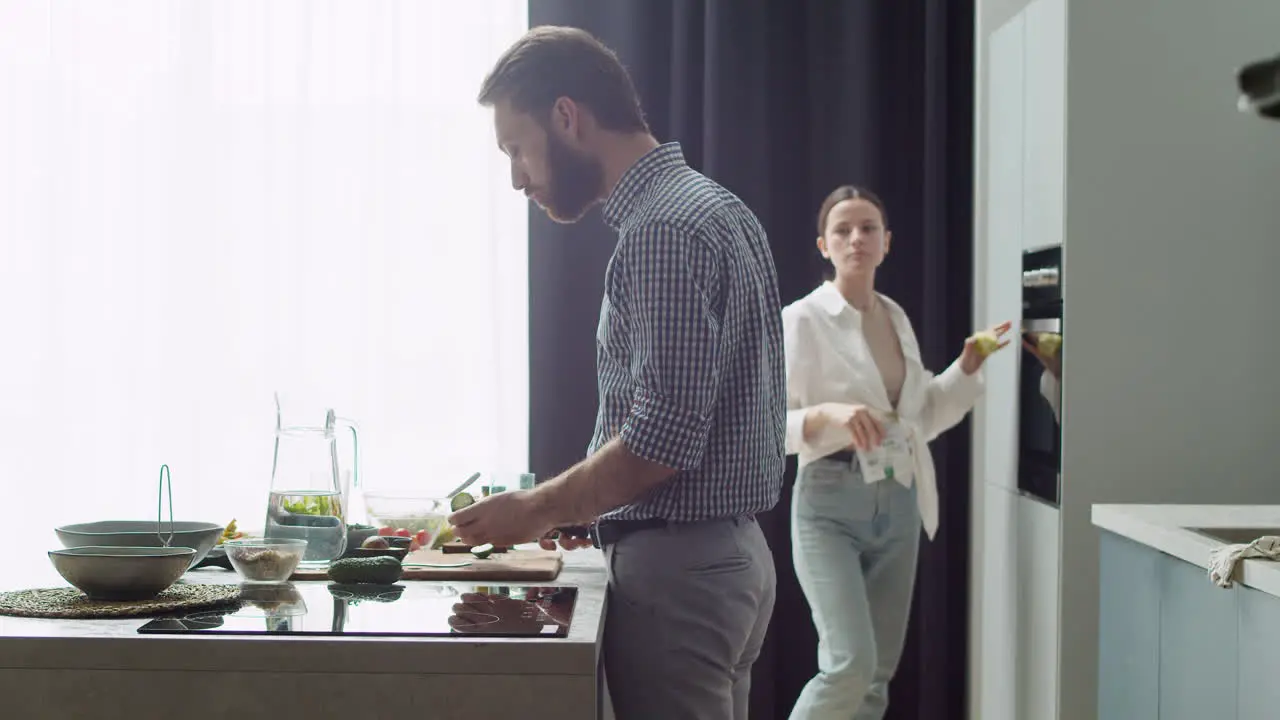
[
  {"x": 1110, "y": 129},
  {"x": 1018, "y": 565}
]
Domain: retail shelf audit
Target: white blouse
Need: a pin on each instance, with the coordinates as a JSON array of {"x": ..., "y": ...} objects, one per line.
[{"x": 829, "y": 360}]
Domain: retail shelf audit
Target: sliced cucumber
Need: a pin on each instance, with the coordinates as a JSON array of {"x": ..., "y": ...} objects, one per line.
[
  {"x": 461, "y": 500},
  {"x": 482, "y": 551}
]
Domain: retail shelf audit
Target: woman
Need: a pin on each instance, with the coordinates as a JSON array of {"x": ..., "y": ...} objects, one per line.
[{"x": 861, "y": 409}]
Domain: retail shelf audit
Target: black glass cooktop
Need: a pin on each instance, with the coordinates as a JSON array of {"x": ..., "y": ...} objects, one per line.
[{"x": 404, "y": 609}]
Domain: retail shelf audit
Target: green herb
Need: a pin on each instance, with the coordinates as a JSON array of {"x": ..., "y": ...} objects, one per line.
[{"x": 312, "y": 505}]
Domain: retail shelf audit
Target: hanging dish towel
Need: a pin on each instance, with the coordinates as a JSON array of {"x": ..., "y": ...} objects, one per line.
[{"x": 1222, "y": 561}]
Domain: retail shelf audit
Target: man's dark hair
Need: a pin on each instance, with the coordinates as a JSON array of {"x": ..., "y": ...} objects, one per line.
[{"x": 552, "y": 62}]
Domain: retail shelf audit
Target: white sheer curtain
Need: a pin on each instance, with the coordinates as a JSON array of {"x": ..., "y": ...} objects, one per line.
[{"x": 206, "y": 201}]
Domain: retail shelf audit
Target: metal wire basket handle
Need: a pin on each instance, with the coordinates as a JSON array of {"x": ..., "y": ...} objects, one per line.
[{"x": 164, "y": 476}]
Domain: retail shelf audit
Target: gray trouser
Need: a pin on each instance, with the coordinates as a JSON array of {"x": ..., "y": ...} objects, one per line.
[{"x": 688, "y": 609}]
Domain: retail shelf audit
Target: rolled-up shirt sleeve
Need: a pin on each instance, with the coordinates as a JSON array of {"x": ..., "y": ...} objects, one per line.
[
  {"x": 798, "y": 361},
  {"x": 670, "y": 284}
]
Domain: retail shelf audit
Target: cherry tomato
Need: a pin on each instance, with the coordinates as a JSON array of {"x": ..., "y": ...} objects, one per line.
[
  {"x": 386, "y": 531},
  {"x": 420, "y": 537},
  {"x": 401, "y": 532}
]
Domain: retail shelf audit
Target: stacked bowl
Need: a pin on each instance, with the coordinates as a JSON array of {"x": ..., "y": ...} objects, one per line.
[{"x": 123, "y": 560}]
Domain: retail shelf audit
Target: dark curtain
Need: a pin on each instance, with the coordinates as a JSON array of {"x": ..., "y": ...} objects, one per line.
[{"x": 780, "y": 102}]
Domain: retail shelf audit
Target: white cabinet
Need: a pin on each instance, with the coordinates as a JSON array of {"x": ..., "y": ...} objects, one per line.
[
  {"x": 1023, "y": 204},
  {"x": 1093, "y": 145},
  {"x": 1038, "y": 562},
  {"x": 1026, "y": 129},
  {"x": 1006, "y": 103},
  {"x": 1044, "y": 122},
  {"x": 1019, "y": 606},
  {"x": 998, "y": 601},
  {"x": 1003, "y": 267}
]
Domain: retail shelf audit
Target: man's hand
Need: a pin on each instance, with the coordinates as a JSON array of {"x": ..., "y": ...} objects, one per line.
[
  {"x": 508, "y": 518},
  {"x": 480, "y": 612},
  {"x": 555, "y": 603},
  {"x": 611, "y": 477},
  {"x": 567, "y": 542}
]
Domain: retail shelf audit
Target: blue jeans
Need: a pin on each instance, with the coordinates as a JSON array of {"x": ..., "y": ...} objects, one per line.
[{"x": 854, "y": 546}]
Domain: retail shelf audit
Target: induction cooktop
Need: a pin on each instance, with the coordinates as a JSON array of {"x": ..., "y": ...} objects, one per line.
[{"x": 406, "y": 609}]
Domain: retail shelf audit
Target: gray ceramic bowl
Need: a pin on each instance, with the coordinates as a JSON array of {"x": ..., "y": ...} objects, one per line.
[
  {"x": 121, "y": 573},
  {"x": 357, "y": 535},
  {"x": 199, "y": 536}
]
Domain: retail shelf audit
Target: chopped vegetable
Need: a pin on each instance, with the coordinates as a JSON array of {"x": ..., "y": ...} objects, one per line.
[
  {"x": 482, "y": 551},
  {"x": 230, "y": 533},
  {"x": 313, "y": 505},
  {"x": 461, "y": 500},
  {"x": 445, "y": 537}
]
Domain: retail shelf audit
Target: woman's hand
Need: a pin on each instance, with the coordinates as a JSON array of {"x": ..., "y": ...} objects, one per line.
[
  {"x": 981, "y": 345},
  {"x": 1048, "y": 355},
  {"x": 866, "y": 430}
]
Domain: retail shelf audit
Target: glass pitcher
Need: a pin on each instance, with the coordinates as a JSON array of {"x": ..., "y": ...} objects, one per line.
[{"x": 309, "y": 487}]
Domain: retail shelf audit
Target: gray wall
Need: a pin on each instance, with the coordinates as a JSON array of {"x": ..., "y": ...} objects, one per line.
[{"x": 1173, "y": 227}]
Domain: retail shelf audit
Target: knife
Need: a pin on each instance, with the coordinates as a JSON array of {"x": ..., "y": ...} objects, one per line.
[{"x": 465, "y": 484}]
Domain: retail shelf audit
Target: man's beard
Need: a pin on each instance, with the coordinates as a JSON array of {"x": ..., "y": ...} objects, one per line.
[{"x": 576, "y": 182}]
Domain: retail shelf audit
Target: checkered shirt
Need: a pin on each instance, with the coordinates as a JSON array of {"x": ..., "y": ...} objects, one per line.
[{"x": 689, "y": 345}]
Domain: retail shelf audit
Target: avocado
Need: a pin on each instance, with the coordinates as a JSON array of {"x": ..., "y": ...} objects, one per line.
[{"x": 381, "y": 570}]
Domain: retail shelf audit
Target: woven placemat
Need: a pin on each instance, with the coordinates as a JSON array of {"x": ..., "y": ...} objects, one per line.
[{"x": 71, "y": 603}]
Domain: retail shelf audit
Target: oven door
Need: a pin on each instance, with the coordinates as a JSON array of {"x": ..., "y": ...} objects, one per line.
[{"x": 1039, "y": 436}]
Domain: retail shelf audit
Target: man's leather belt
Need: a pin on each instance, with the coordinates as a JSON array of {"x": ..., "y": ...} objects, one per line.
[{"x": 607, "y": 532}]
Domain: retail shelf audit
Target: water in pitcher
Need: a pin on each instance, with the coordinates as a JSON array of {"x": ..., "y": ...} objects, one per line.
[{"x": 314, "y": 516}]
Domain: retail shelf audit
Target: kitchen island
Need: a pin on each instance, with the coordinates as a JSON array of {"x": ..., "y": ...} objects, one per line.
[
  {"x": 1172, "y": 644},
  {"x": 58, "y": 668}
]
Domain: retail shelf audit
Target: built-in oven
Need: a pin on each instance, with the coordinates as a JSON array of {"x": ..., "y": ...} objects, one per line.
[{"x": 1039, "y": 390}]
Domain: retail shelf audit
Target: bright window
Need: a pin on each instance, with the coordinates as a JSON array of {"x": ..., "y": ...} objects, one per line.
[{"x": 204, "y": 202}]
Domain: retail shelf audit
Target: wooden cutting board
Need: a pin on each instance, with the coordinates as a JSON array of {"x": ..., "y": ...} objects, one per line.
[{"x": 514, "y": 565}]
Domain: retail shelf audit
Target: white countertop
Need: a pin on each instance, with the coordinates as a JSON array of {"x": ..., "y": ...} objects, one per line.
[
  {"x": 115, "y": 643},
  {"x": 1171, "y": 530},
  {"x": 110, "y": 665}
]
